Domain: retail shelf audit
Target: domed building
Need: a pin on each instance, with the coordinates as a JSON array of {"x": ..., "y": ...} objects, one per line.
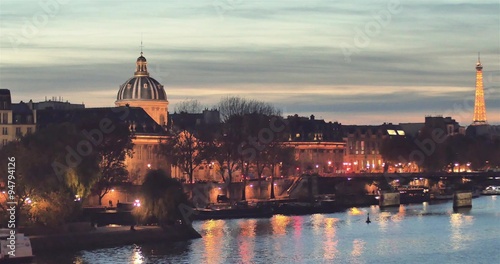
[{"x": 144, "y": 91}]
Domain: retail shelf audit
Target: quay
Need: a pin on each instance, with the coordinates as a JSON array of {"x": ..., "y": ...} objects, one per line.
[
  {"x": 109, "y": 236},
  {"x": 309, "y": 194}
]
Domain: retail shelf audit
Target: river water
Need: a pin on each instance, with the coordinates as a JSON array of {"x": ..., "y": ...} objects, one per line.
[{"x": 417, "y": 233}]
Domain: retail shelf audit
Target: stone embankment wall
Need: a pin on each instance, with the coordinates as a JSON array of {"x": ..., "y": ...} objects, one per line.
[{"x": 110, "y": 237}]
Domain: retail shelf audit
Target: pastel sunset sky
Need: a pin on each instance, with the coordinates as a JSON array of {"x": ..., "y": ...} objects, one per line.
[{"x": 356, "y": 62}]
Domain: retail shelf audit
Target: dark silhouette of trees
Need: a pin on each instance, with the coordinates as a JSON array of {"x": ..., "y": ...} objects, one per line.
[
  {"x": 112, "y": 151},
  {"x": 441, "y": 153},
  {"x": 245, "y": 132},
  {"x": 278, "y": 155},
  {"x": 185, "y": 151},
  {"x": 163, "y": 199},
  {"x": 189, "y": 106},
  {"x": 50, "y": 164},
  {"x": 397, "y": 149}
]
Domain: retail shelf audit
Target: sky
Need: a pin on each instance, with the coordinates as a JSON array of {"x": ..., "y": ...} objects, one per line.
[{"x": 355, "y": 62}]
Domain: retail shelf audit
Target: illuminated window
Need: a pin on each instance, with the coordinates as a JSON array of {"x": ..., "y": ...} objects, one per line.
[
  {"x": 391, "y": 132},
  {"x": 139, "y": 152},
  {"x": 401, "y": 132},
  {"x": 145, "y": 85}
]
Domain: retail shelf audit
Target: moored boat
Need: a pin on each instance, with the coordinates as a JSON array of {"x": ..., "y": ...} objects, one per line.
[
  {"x": 413, "y": 194},
  {"x": 491, "y": 190},
  {"x": 232, "y": 212},
  {"x": 305, "y": 208},
  {"x": 20, "y": 252}
]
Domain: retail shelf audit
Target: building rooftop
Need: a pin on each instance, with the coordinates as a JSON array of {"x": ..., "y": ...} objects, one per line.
[{"x": 138, "y": 120}]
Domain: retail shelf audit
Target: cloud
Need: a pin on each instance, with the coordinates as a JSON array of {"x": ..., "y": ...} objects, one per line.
[{"x": 285, "y": 52}]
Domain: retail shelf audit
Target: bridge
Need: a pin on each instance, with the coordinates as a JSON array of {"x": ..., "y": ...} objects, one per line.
[{"x": 480, "y": 176}]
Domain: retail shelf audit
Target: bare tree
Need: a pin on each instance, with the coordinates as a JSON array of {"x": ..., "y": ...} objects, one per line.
[
  {"x": 237, "y": 106},
  {"x": 190, "y": 106},
  {"x": 185, "y": 151},
  {"x": 278, "y": 155},
  {"x": 241, "y": 141}
]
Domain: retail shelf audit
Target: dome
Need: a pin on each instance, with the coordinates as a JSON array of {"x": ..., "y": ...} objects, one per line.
[{"x": 141, "y": 86}]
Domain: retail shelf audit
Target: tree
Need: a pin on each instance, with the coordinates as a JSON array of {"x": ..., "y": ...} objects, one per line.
[
  {"x": 112, "y": 151},
  {"x": 163, "y": 199},
  {"x": 185, "y": 151},
  {"x": 237, "y": 106},
  {"x": 435, "y": 157},
  {"x": 189, "y": 106},
  {"x": 49, "y": 162},
  {"x": 242, "y": 140},
  {"x": 278, "y": 154},
  {"x": 223, "y": 150},
  {"x": 53, "y": 209},
  {"x": 397, "y": 149}
]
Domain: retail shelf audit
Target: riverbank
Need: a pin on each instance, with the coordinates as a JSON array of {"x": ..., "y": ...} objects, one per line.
[
  {"x": 415, "y": 233},
  {"x": 103, "y": 237}
]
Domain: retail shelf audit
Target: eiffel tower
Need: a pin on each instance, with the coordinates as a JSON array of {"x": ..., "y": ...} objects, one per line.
[{"x": 479, "y": 105}]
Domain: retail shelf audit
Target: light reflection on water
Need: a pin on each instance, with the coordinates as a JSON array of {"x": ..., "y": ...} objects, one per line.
[
  {"x": 214, "y": 231},
  {"x": 406, "y": 234}
]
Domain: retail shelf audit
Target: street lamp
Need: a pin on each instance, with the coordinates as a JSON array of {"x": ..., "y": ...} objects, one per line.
[{"x": 149, "y": 166}]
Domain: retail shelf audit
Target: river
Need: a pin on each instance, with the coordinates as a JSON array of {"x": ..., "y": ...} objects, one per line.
[{"x": 417, "y": 233}]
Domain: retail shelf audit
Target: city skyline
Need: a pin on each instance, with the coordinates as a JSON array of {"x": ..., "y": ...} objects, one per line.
[{"x": 366, "y": 63}]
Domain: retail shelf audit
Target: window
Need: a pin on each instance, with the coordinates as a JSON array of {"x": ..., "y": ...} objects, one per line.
[
  {"x": 5, "y": 131},
  {"x": 139, "y": 152},
  {"x": 5, "y": 118},
  {"x": 145, "y": 85},
  {"x": 391, "y": 132},
  {"x": 4, "y": 142},
  {"x": 450, "y": 129},
  {"x": 29, "y": 130},
  {"x": 18, "y": 131}
]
